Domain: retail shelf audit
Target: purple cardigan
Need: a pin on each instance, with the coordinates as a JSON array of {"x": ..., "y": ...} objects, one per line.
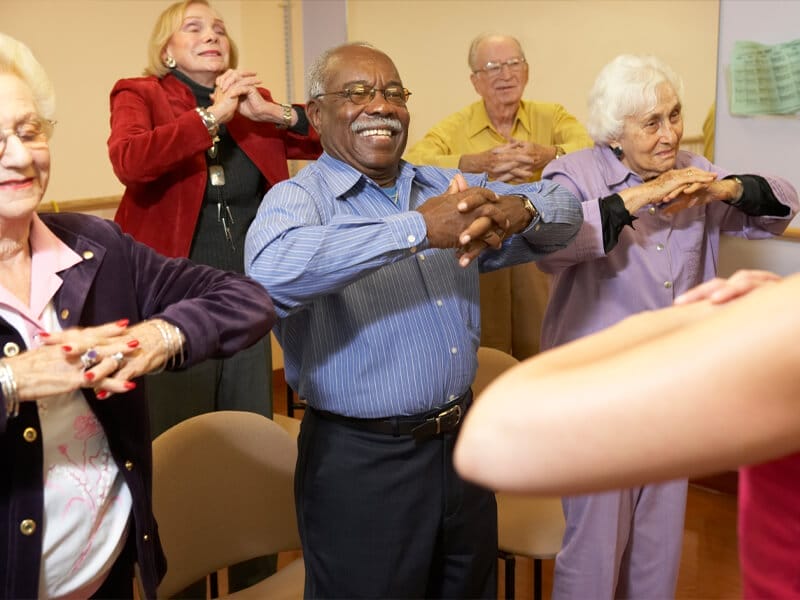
[{"x": 220, "y": 313}]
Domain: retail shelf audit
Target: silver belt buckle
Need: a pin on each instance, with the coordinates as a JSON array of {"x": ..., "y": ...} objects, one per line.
[{"x": 446, "y": 414}]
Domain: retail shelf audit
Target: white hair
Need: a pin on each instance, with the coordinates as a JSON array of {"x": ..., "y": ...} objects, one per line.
[
  {"x": 17, "y": 59},
  {"x": 625, "y": 87},
  {"x": 317, "y": 75}
]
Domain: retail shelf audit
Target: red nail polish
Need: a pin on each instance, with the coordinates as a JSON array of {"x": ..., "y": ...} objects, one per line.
[
  {"x": 130, "y": 385},
  {"x": 133, "y": 344},
  {"x": 66, "y": 348},
  {"x": 43, "y": 334},
  {"x": 123, "y": 322},
  {"x": 102, "y": 395},
  {"x": 88, "y": 376}
]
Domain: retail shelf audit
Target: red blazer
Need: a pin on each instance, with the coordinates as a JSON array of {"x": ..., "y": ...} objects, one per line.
[{"x": 157, "y": 147}]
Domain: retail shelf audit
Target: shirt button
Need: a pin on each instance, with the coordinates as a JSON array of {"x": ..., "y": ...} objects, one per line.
[
  {"x": 129, "y": 465},
  {"x": 88, "y": 254},
  {"x": 411, "y": 239},
  {"x": 453, "y": 397},
  {"x": 64, "y": 314},
  {"x": 27, "y": 527},
  {"x": 668, "y": 284},
  {"x": 439, "y": 303},
  {"x": 413, "y": 249},
  {"x": 10, "y": 349},
  {"x": 652, "y": 210},
  {"x": 453, "y": 350},
  {"x": 30, "y": 434},
  {"x": 659, "y": 247}
]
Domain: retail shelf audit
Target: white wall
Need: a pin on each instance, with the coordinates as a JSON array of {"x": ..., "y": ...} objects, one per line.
[{"x": 753, "y": 144}]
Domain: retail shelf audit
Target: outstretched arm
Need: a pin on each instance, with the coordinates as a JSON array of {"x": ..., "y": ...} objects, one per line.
[{"x": 683, "y": 391}]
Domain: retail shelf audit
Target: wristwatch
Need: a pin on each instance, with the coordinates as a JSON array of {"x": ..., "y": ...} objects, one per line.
[{"x": 528, "y": 205}]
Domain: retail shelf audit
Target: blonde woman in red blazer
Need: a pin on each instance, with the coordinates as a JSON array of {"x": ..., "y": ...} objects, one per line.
[{"x": 197, "y": 144}]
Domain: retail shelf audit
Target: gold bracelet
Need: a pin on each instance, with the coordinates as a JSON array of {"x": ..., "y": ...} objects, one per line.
[{"x": 287, "y": 117}]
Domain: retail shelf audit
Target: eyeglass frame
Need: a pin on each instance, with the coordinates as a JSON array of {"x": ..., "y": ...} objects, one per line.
[
  {"x": 493, "y": 69},
  {"x": 348, "y": 92},
  {"x": 46, "y": 126}
]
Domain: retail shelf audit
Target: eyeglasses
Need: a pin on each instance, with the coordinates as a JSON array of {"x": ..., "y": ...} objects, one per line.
[
  {"x": 361, "y": 94},
  {"x": 33, "y": 134},
  {"x": 493, "y": 69}
]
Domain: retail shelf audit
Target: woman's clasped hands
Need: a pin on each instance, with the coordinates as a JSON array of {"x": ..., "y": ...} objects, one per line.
[{"x": 106, "y": 358}]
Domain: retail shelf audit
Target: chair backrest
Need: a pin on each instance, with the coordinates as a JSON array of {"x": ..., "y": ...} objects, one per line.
[
  {"x": 222, "y": 493},
  {"x": 491, "y": 363}
]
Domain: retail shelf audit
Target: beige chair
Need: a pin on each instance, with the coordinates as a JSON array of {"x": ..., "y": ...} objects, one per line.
[
  {"x": 223, "y": 493},
  {"x": 526, "y": 525}
]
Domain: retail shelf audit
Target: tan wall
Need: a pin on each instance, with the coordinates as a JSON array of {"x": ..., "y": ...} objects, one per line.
[
  {"x": 87, "y": 45},
  {"x": 566, "y": 42}
]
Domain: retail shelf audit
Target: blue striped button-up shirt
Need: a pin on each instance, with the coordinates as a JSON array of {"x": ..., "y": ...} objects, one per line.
[{"x": 374, "y": 322}]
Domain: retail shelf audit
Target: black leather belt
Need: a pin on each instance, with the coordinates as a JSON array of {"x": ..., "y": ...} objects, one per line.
[{"x": 424, "y": 425}]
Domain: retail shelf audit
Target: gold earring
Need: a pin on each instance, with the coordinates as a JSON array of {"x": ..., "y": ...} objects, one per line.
[{"x": 169, "y": 62}]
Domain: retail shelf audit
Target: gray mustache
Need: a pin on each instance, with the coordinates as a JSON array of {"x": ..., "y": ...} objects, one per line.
[{"x": 389, "y": 123}]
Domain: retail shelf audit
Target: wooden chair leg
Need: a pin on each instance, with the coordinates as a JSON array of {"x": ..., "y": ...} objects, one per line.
[
  {"x": 537, "y": 579},
  {"x": 509, "y": 562}
]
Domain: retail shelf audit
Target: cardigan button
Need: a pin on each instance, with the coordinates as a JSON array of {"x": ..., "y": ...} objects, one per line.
[
  {"x": 88, "y": 254},
  {"x": 146, "y": 537},
  {"x": 30, "y": 434},
  {"x": 10, "y": 349},
  {"x": 27, "y": 527},
  {"x": 64, "y": 314},
  {"x": 129, "y": 465}
]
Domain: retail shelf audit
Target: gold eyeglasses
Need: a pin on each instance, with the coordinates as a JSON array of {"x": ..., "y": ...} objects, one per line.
[
  {"x": 493, "y": 69},
  {"x": 362, "y": 94},
  {"x": 32, "y": 133}
]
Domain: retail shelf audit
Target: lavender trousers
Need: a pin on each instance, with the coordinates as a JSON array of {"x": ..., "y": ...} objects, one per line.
[{"x": 622, "y": 544}]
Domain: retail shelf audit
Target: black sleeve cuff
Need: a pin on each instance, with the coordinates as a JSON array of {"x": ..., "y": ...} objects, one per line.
[
  {"x": 301, "y": 127},
  {"x": 613, "y": 217},
  {"x": 757, "y": 199}
]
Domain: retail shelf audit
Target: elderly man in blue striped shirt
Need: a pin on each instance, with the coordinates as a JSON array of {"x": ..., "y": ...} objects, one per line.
[{"x": 372, "y": 264}]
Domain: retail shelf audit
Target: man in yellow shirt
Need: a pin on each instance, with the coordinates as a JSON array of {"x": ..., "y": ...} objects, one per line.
[{"x": 512, "y": 140}]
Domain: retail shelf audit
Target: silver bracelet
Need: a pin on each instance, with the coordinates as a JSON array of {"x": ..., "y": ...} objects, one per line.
[
  {"x": 8, "y": 385},
  {"x": 173, "y": 343},
  {"x": 209, "y": 120}
]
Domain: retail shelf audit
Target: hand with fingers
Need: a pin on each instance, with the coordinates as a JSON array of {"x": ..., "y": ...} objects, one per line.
[
  {"x": 461, "y": 209},
  {"x": 666, "y": 187},
  {"x": 719, "y": 290},
  {"x": 232, "y": 88},
  {"x": 701, "y": 194}
]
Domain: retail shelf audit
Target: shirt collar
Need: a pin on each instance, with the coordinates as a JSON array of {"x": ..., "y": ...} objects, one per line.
[
  {"x": 347, "y": 176},
  {"x": 480, "y": 120},
  {"x": 49, "y": 256},
  {"x": 615, "y": 174}
]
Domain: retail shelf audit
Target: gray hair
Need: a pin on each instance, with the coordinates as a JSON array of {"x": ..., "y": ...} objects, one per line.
[
  {"x": 473, "y": 47},
  {"x": 18, "y": 60},
  {"x": 317, "y": 75},
  {"x": 625, "y": 87}
]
